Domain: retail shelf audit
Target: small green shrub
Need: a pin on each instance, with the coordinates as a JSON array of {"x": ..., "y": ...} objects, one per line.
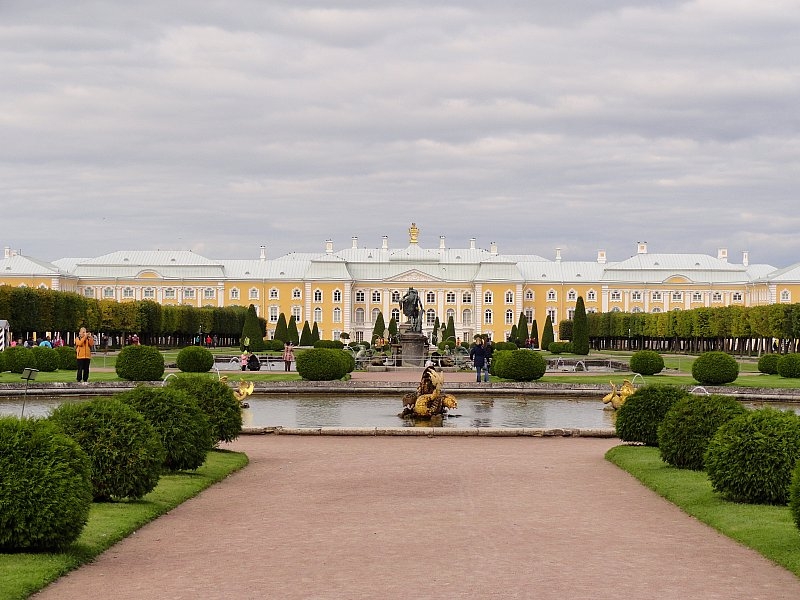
[
  {"x": 67, "y": 359},
  {"x": 638, "y": 419},
  {"x": 19, "y": 358},
  {"x": 218, "y": 402},
  {"x": 715, "y": 368},
  {"x": 522, "y": 365},
  {"x": 794, "y": 495},
  {"x": 646, "y": 362},
  {"x": 194, "y": 359},
  {"x": 46, "y": 359},
  {"x": 768, "y": 363},
  {"x": 752, "y": 457},
  {"x": 560, "y": 347},
  {"x": 182, "y": 426},
  {"x": 789, "y": 365},
  {"x": 140, "y": 363},
  {"x": 124, "y": 449},
  {"x": 321, "y": 364},
  {"x": 276, "y": 345},
  {"x": 689, "y": 425},
  {"x": 46, "y": 491}
]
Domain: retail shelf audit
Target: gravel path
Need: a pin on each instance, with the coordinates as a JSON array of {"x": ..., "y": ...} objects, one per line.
[{"x": 317, "y": 517}]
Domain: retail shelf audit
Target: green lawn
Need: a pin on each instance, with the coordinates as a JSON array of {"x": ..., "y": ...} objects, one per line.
[
  {"x": 24, "y": 573},
  {"x": 769, "y": 530}
]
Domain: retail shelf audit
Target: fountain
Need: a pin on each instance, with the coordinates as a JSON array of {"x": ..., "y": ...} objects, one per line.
[{"x": 428, "y": 401}]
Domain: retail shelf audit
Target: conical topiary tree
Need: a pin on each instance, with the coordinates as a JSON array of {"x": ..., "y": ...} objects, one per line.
[
  {"x": 251, "y": 332},
  {"x": 305, "y": 337},
  {"x": 522, "y": 331},
  {"x": 281, "y": 330},
  {"x": 580, "y": 329},
  {"x": 315, "y": 337},
  {"x": 293, "y": 335},
  {"x": 547, "y": 335},
  {"x": 392, "y": 327},
  {"x": 535, "y": 334},
  {"x": 380, "y": 327},
  {"x": 512, "y": 336},
  {"x": 435, "y": 332},
  {"x": 450, "y": 332}
]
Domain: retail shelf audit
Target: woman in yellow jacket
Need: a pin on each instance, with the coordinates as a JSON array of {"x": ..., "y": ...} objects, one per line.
[{"x": 83, "y": 349}]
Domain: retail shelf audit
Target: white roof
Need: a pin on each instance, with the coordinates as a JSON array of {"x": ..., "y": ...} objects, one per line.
[{"x": 20, "y": 265}]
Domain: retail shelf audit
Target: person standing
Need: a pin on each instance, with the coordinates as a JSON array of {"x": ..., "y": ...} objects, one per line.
[
  {"x": 83, "y": 350},
  {"x": 288, "y": 356},
  {"x": 478, "y": 355}
]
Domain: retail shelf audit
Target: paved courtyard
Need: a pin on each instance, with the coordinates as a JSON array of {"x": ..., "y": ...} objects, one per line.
[{"x": 316, "y": 517}]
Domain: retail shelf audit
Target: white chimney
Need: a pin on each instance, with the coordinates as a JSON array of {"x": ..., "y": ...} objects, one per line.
[
  {"x": 558, "y": 254},
  {"x": 263, "y": 253},
  {"x": 385, "y": 243},
  {"x": 329, "y": 247},
  {"x": 745, "y": 258},
  {"x": 355, "y": 242},
  {"x": 722, "y": 254},
  {"x": 641, "y": 247},
  {"x": 472, "y": 243},
  {"x": 601, "y": 257},
  {"x": 493, "y": 248},
  {"x": 441, "y": 242},
  {"x": 7, "y": 252}
]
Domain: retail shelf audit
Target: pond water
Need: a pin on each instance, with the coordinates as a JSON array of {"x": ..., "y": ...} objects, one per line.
[{"x": 329, "y": 410}]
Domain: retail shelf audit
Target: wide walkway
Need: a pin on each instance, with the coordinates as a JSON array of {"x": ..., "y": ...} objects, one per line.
[{"x": 318, "y": 517}]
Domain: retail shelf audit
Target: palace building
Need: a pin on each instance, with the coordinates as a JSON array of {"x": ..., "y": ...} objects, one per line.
[{"x": 343, "y": 291}]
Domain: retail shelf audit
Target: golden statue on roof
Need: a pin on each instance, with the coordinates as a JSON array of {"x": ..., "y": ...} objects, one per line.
[{"x": 413, "y": 234}]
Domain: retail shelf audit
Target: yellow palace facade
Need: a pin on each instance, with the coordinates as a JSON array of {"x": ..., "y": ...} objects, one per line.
[{"x": 344, "y": 290}]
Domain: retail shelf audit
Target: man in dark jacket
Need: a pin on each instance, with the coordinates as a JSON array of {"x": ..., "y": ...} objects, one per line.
[{"x": 478, "y": 355}]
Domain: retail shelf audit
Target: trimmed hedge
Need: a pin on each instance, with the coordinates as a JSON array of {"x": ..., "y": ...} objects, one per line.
[
  {"x": 195, "y": 359},
  {"x": 67, "y": 358},
  {"x": 768, "y": 363},
  {"x": 646, "y": 362},
  {"x": 752, "y": 458},
  {"x": 504, "y": 346},
  {"x": 46, "y": 359},
  {"x": 520, "y": 365},
  {"x": 182, "y": 426},
  {"x": 47, "y": 490},
  {"x": 789, "y": 365},
  {"x": 19, "y": 358},
  {"x": 216, "y": 399},
  {"x": 124, "y": 449},
  {"x": 333, "y": 344},
  {"x": 639, "y": 417},
  {"x": 689, "y": 425},
  {"x": 794, "y": 495},
  {"x": 140, "y": 363},
  {"x": 560, "y": 347},
  {"x": 2, "y": 362},
  {"x": 715, "y": 368},
  {"x": 322, "y": 364}
]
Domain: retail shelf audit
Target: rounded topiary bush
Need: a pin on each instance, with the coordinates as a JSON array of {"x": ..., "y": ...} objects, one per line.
[
  {"x": 646, "y": 362},
  {"x": 505, "y": 346},
  {"x": 276, "y": 345},
  {"x": 752, "y": 457},
  {"x": 639, "y": 418},
  {"x": 47, "y": 489},
  {"x": 19, "y": 358},
  {"x": 689, "y": 425},
  {"x": 321, "y": 364},
  {"x": 559, "y": 347},
  {"x": 523, "y": 365},
  {"x": 216, "y": 399},
  {"x": 195, "y": 359},
  {"x": 768, "y": 363},
  {"x": 140, "y": 363},
  {"x": 67, "y": 359},
  {"x": 182, "y": 426},
  {"x": 497, "y": 365},
  {"x": 348, "y": 361},
  {"x": 794, "y": 495},
  {"x": 46, "y": 358},
  {"x": 715, "y": 368},
  {"x": 789, "y": 365},
  {"x": 125, "y": 451}
]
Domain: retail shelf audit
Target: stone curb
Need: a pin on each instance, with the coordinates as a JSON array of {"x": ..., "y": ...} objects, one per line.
[{"x": 433, "y": 431}]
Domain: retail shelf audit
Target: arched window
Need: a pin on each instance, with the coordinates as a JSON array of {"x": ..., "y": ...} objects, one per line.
[
  {"x": 396, "y": 315},
  {"x": 615, "y": 309},
  {"x": 786, "y": 296},
  {"x": 487, "y": 316},
  {"x": 337, "y": 315},
  {"x": 572, "y": 295},
  {"x": 430, "y": 317},
  {"x": 273, "y": 294},
  {"x": 430, "y": 298},
  {"x": 636, "y": 309},
  {"x": 509, "y": 297},
  {"x": 317, "y": 295},
  {"x": 337, "y": 295},
  {"x": 656, "y": 309},
  {"x": 591, "y": 296},
  {"x": 360, "y": 316},
  {"x": 297, "y": 294},
  {"x": 450, "y": 314},
  {"x": 318, "y": 315},
  {"x": 169, "y": 293},
  {"x": 127, "y": 292},
  {"x": 297, "y": 313},
  {"x": 677, "y": 296},
  {"x": 376, "y": 296},
  {"x": 450, "y": 298},
  {"x": 375, "y": 313},
  {"x": 188, "y": 293},
  {"x": 466, "y": 317},
  {"x": 509, "y": 317},
  {"x": 360, "y": 296},
  {"x": 529, "y": 295},
  {"x": 697, "y": 297},
  {"x": 108, "y": 292},
  {"x": 616, "y": 296},
  {"x": 466, "y": 298},
  {"x": 636, "y": 296},
  {"x": 716, "y": 297},
  {"x": 88, "y": 292},
  {"x": 234, "y": 293},
  {"x": 395, "y": 296},
  {"x": 657, "y": 297},
  {"x": 551, "y": 295},
  {"x": 149, "y": 293},
  {"x": 253, "y": 293},
  {"x": 273, "y": 314},
  {"x": 487, "y": 297},
  {"x": 736, "y": 296},
  {"x": 208, "y": 294}
]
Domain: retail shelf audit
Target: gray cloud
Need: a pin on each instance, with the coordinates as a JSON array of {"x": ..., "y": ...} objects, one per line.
[{"x": 222, "y": 126}]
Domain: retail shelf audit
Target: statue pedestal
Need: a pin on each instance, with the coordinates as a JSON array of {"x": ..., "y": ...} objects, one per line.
[{"x": 413, "y": 349}]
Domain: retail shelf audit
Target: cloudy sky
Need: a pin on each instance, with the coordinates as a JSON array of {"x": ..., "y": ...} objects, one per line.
[{"x": 219, "y": 126}]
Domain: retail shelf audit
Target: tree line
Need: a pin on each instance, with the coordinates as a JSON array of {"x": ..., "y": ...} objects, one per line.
[{"x": 38, "y": 311}]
